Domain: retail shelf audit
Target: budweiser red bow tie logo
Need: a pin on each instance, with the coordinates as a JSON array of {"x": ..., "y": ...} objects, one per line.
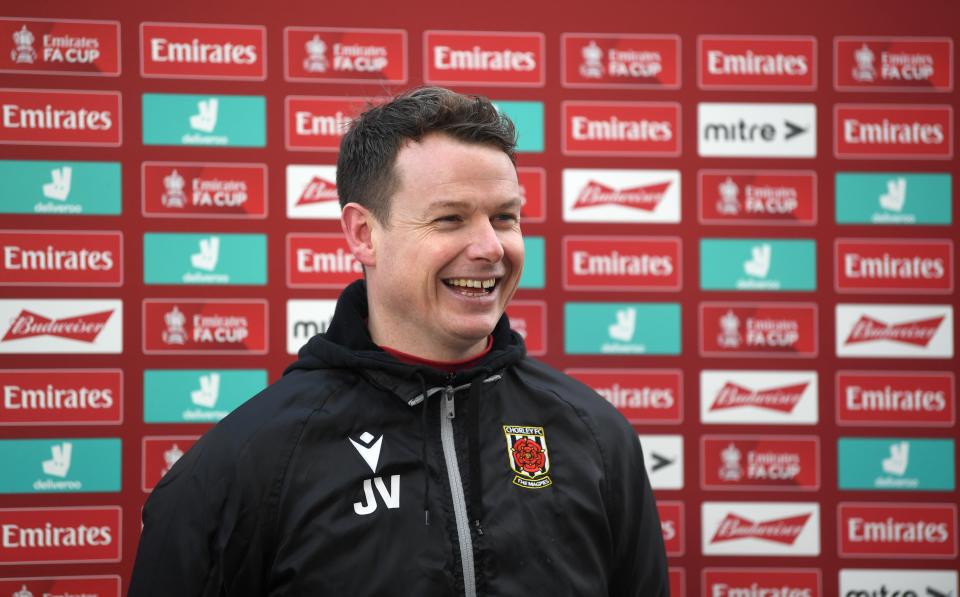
[
  {"x": 918, "y": 333},
  {"x": 780, "y": 399},
  {"x": 645, "y": 197},
  {"x": 84, "y": 328},
  {"x": 781, "y": 530},
  {"x": 318, "y": 190}
]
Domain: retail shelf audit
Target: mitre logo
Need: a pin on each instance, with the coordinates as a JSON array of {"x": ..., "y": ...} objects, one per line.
[
  {"x": 621, "y": 195},
  {"x": 757, "y": 197},
  {"x": 893, "y": 63},
  {"x": 195, "y": 51},
  {"x": 758, "y": 397},
  {"x": 663, "y": 459},
  {"x": 503, "y": 59},
  {"x": 320, "y": 261},
  {"x": 312, "y": 192},
  {"x": 883, "y": 131},
  {"x": 58, "y": 117},
  {"x": 60, "y": 535},
  {"x": 896, "y": 398},
  {"x": 757, "y": 62},
  {"x": 306, "y": 319},
  {"x": 758, "y": 329},
  {"x": 61, "y": 46},
  {"x": 895, "y": 330},
  {"x": 905, "y": 530},
  {"x": 61, "y": 586},
  {"x": 194, "y": 326},
  {"x": 317, "y": 123},
  {"x": 751, "y": 462},
  {"x": 60, "y": 397},
  {"x": 893, "y": 266},
  {"x": 621, "y": 263},
  {"x": 51, "y": 326},
  {"x": 643, "y": 396},
  {"x": 761, "y": 528},
  {"x": 203, "y": 190},
  {"x": 341, "y": 55},
  {"x": 159, "y": 456},
  {"x": 898, "y": 583},
  {"x": 529, "y": 319},
  {"x": 604, "y": 60},
  {"x": 621, "y": 128},
  {"x": 56, "y": 258},
  {"x": 757, "y": 130},
  {"x": 761, "y": 582}
]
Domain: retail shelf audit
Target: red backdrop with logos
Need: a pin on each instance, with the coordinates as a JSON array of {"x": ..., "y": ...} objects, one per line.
[{"x": 645, "y": 130}]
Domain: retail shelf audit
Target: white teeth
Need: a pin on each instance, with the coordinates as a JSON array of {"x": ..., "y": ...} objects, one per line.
[{"x": 472, "y": 283}]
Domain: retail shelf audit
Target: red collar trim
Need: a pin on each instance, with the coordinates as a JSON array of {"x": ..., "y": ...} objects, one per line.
[{"x": 445, "y": 366}]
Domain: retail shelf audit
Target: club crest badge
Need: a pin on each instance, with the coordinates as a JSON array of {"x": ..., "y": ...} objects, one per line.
[{"x": 528, "y": 456}]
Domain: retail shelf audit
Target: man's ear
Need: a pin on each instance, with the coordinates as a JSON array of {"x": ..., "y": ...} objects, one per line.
[{"x": 359, "y": 228}]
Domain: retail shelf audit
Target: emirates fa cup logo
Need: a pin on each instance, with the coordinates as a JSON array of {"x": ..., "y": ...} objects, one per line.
[
  {"x": 170, "y": 458},
  {"x": 728, "y": 203},
  {"x": 729, "y": 331},
  {"x": 592, "y": 65},
  {"x": 864, "y": 70},
  {"x": 731, "y": 469},
  {"x": 24, "y": 52},
  {"x": 173, "y": 195},
  {"x": 316, "y": 60},
  {"x": 175, "y": 332}
]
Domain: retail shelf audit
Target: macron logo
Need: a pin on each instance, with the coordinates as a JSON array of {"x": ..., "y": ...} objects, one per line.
[
  {"x": 209, "y": 391},
  {"x": 759, "y": 264},
  {"x": 58, "y": 188},
  {"x": 369, "y": 449},
  {"x": 895, "y": 196},
  {"x": 625, "y": 326},
  {"x": 59, "y": 463},
  {"x": 899, "y": 459},
  {"x": 206, "y": 259},
  {"x": 205, "y": 120}
]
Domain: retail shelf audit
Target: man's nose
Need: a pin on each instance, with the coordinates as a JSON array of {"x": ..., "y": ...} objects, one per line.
[{"x": 485, "y": 242}]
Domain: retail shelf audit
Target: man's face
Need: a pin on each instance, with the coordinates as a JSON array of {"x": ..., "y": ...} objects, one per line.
[{"x": 450, "y": 257}]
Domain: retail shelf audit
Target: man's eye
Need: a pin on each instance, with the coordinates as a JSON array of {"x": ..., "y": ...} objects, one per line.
[
  {"x": 507, "y": 217},
  {"x": 450, "y": 218}
]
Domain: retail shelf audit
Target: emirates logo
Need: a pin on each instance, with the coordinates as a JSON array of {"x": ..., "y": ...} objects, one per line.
[
  {"x": 645, "y": 197},
  {"x": 83, "y": 328},
  {"x": 917, "y": 333},
  {"x": 782, "y": 530},
  {"x": 318, "y": 190},
  {"x": 782, "y": 399}
]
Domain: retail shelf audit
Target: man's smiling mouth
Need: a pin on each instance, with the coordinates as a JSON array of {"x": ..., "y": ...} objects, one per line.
[{"x": 473, "y": 286}]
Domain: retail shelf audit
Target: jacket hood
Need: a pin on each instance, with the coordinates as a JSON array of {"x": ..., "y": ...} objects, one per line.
[{"x": 347, "y": 345}]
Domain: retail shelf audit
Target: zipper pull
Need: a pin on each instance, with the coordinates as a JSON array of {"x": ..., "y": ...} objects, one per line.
[{"x": 448, "y": 393}]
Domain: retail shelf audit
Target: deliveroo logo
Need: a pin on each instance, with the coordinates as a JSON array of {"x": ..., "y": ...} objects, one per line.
[
  {"x": 59, "y": 463},
  {"x": 58, "y": 188},
  {"x": 205, "y": 120}
]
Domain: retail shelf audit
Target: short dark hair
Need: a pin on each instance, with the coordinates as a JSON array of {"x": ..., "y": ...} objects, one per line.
[{"x": 368, "y": 150}]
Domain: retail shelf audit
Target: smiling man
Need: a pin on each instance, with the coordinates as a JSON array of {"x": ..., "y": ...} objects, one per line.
[{"x": 414, "y": 448}]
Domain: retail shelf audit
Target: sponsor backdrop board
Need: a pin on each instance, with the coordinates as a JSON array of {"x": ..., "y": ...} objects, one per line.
[{"x": 740, "y": 227}]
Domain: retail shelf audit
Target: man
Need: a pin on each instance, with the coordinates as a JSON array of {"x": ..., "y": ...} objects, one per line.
[{"x": 413, "y": 449}]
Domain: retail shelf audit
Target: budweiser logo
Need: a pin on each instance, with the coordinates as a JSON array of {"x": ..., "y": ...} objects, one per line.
[
  {"x": 918, "y": 333},
  {"x": 782, "y": 530},
  {"x": 645, "y": 197},
  {"x": 318, "y": 190},
  {"x": 780, "y": 399},
  {"x": 84, "y": 328}
]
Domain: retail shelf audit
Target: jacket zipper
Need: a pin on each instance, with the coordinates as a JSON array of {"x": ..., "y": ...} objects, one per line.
[{"x": 447, "y": 414}]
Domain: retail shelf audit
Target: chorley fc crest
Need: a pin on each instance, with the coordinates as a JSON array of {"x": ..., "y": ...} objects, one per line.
[{"x": 528, "y": 456}]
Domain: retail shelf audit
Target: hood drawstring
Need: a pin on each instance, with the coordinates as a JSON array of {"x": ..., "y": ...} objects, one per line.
[
  {"x": 423, "y": 450},
  {"x": 473, "y": 448}
]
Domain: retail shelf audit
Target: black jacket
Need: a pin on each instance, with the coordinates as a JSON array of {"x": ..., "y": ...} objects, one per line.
[{"x": 316, "y": 486}]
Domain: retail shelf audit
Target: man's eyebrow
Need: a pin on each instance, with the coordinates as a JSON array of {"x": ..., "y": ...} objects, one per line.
[{"x": 442, "y": 204}]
